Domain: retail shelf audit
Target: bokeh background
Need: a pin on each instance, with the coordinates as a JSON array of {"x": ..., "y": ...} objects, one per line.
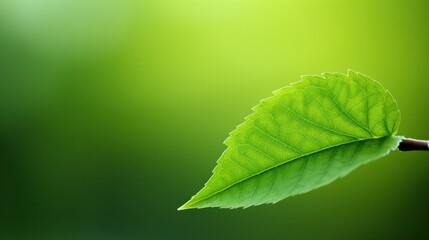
[{"x": 113, "y": 113}]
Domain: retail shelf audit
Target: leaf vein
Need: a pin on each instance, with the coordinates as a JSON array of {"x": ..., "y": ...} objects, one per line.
[{"x": 317, "y": 124}]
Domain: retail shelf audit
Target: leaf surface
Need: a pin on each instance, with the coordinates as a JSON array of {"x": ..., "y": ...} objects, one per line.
[{"x": 305, "y": 136}]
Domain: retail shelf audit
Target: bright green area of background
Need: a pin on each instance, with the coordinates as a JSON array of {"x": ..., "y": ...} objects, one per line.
[{"x": 113, "y": 113}]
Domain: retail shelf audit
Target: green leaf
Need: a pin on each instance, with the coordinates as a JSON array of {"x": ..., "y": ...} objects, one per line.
[{"x": 305, "y": 136}]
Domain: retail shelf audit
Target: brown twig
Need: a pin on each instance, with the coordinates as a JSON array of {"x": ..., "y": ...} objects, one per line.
[{"x": 409, "y": 144}]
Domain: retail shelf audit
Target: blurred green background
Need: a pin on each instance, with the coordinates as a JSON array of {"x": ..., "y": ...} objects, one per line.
[{"x": 113, "y": 113}]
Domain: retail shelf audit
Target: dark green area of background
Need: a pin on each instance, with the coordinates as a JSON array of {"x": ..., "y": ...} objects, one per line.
[{"x": 113, "y": 113}]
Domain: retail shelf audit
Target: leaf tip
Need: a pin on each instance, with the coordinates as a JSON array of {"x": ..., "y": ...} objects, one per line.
[
  {"x": 185, "y": 206},
  {"x": 189, "y": 205},
  {"x": 181, "y": 208}
]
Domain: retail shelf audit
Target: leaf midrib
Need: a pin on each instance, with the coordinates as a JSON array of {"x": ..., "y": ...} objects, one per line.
[{"x": 279, "y": 165}]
